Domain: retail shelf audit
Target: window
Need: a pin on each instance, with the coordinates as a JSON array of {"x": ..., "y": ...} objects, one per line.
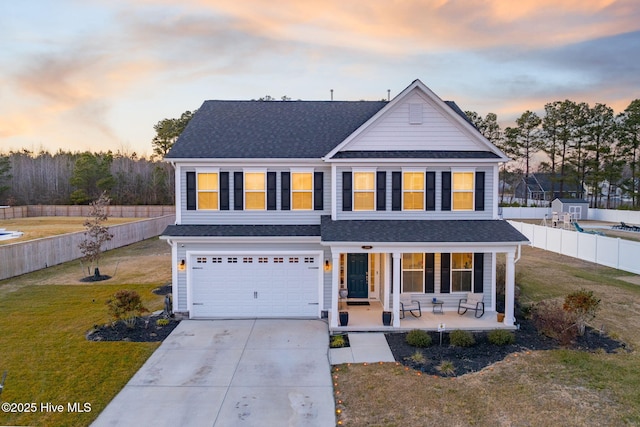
[
  {"x": 363, "y": 191},
  {"x": 208, "y": 191},
  {"x": 247, "y": 260},
  {"x": 413, "y": 191},
  {"x": 201, "y": 260},
  {"x": 255, "y": 196},
  {"x": 463, "y": 191},
  {"x": 461, "y": 272},
  {"x": 412, "y": 272},
  {"x": 302, "y": 190}
]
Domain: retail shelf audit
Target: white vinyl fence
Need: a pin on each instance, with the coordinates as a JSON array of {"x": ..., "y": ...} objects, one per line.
[
  {"x": 608, "y": 251},
  {"x": 25, "y": 257},
  {"x": 609, "y": 215}
]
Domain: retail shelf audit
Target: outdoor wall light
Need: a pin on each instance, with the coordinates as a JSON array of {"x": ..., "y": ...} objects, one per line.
[
  {"x": 182, "y": 266},
  {"x": 327, "y": 265}
]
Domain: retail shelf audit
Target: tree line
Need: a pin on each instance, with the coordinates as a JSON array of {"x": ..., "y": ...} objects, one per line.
[
  {"x": 579, "y": 144},
  {"x": 28, "y": 178}
]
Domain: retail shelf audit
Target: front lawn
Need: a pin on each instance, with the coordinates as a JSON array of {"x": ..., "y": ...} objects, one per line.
[
  {"x": 43, "y": 345},
  {"x": 541, "y": 388}
]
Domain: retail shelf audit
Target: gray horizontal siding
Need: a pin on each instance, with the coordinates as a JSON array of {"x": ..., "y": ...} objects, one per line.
[
  {"x": 273, "y": 217},
  {"x": 438, "y": 214}
]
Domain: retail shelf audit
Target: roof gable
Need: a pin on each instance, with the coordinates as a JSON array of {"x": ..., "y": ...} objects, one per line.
[
  {"x": 270, "y": 129},
  {"x": 417, "y": 120}
]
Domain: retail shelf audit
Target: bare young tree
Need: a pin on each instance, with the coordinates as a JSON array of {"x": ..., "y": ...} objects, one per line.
[{"x": 96, "y": 235}]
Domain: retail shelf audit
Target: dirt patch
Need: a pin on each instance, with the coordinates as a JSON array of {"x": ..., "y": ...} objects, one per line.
[
  {"x": 635, "y": 280},
  {"x": 483, "y": 353}
]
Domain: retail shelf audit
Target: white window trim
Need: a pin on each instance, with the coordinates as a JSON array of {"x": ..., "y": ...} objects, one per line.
[
  {"x": 353, "y": 188},
  {"x": 473, "y": 256},
  {"x": 402, "y": 270},
  {"x": 291, "y": 190},
  {"x": 206, "y": 170},
  {"x": 245, "y": 191},
  {"x": 473, "y": 191},
  {"x": 424, "y": 190}
]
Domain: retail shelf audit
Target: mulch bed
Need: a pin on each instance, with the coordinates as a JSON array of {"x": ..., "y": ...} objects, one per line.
[
  {"x": 483, "y": 353},
  {"x": 145, "y": 330}
]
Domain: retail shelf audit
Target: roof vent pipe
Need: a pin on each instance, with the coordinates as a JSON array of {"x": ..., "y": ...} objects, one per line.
[
  {"x": 388, "y": 94},
  {"x": 331, "y": 94}
]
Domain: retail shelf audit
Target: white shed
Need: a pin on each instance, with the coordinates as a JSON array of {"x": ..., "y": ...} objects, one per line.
[{"x": 578, "y": 208}]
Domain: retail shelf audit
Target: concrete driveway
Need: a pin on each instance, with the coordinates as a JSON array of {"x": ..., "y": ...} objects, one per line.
[{"x": 231, "y": 373}]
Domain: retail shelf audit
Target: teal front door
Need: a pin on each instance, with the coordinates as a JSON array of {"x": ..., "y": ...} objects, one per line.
[{"x": 357, "y": 275}]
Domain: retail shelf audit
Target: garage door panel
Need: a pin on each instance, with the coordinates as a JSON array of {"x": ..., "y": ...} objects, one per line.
[{"x": 254, "y": 285}]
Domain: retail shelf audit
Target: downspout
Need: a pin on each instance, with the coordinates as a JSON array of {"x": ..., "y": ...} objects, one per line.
[{"x": 515, "y": 261}]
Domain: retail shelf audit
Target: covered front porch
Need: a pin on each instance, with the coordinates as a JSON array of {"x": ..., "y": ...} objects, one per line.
[
  {"x": 363, "y": 318},
  {"x": 381, "y": 263}
]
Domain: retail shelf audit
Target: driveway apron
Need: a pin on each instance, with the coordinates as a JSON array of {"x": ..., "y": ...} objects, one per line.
[{"x": 254, "y": 372}]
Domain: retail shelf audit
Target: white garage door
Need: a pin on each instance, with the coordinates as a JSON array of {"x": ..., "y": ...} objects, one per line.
[{"x": 254, "y": 285}]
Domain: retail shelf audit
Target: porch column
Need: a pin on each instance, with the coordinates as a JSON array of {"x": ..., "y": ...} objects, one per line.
[
  {"x": 335, "y": 278},
  {"x": 509, "y": 289},
  {"x": 396, "y": 289},
  {"x": 387, "y": 281}
]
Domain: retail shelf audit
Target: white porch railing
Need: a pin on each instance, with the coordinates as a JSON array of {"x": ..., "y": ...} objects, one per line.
[{"x": 608, "y": 251}]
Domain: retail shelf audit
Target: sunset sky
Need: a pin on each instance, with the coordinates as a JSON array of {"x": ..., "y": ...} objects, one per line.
[{"x": 98, "y": 74}]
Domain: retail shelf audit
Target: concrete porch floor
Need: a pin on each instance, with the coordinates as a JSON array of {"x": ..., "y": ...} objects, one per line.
[{"x": 369, "y": 318}]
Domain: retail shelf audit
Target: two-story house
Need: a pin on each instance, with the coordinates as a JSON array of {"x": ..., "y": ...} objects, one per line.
[{"x": 280, "y": 205}]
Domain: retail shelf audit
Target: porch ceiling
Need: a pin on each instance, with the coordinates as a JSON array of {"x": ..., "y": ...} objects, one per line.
[{"x": 420, "y": 231}]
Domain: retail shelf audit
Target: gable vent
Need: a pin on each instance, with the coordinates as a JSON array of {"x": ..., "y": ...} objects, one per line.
[{"x": 415, "y": 114}]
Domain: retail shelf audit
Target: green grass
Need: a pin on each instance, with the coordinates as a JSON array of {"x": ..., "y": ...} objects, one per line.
[{"x": 48, "y": 359}]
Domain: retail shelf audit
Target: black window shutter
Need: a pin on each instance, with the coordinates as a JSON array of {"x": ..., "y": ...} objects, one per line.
[
  {"x": 431, "y": 191},
  {"x": 346, "y": 191},
  {"x": 285, "y": 191},
  {"x": 224, "y": 191},
  {"x": 396, "y": 191},
  {"x": 445, "y": 273},
  {"x": 238, "y": 193},
  {"x": 478, "y": 272},
  {"x": 446, "y": 191},
  {"x": 271, "y": 191},
  {"x": 479, "y": 191},
  {"x": 381, "y": 191},
  {"x": 191, "y": 191},
  {"x": 429, "y": 273},
  {"x": 318, "y": 191}
]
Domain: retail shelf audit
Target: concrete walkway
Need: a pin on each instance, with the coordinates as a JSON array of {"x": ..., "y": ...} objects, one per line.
[
  {"x": 367, "y": 347},
  {"x": 231, "y": 373}
]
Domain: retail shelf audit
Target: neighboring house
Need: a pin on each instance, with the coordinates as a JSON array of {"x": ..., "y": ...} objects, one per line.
[
  {"x": 545, "y": 186},
  {"x": 281, "y": 204}
]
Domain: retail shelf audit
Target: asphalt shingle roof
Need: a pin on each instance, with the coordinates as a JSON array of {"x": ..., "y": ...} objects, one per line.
[
  {"x": 271, "y": 129},
  {"x": 414, "y": 231},
  {"x": 409, "y": 231},
  {"x": 389, "y": 154}
]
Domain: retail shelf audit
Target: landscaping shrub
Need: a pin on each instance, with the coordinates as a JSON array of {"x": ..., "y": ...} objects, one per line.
[
  {"x": 337, "y": 341},
  {"x": 126, "y": 305},
  {"x": 446, "y": 367},
  {"x": 501, "y": 337},
  {"x": 461, "y": 338},
  {"x": 418, "y": 338},
  {"x": 552, "y": 320},
  {"x": 162, "y": 322},
  {"x": 417, "y": 357},
  {"x": 583, "y": 305}
]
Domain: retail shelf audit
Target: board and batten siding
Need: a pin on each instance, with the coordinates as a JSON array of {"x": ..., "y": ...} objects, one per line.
[
  {"x": 271, "y": 217},
  {"x": 437, "y": 131},
  {"x": 437, "y": 214}
]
